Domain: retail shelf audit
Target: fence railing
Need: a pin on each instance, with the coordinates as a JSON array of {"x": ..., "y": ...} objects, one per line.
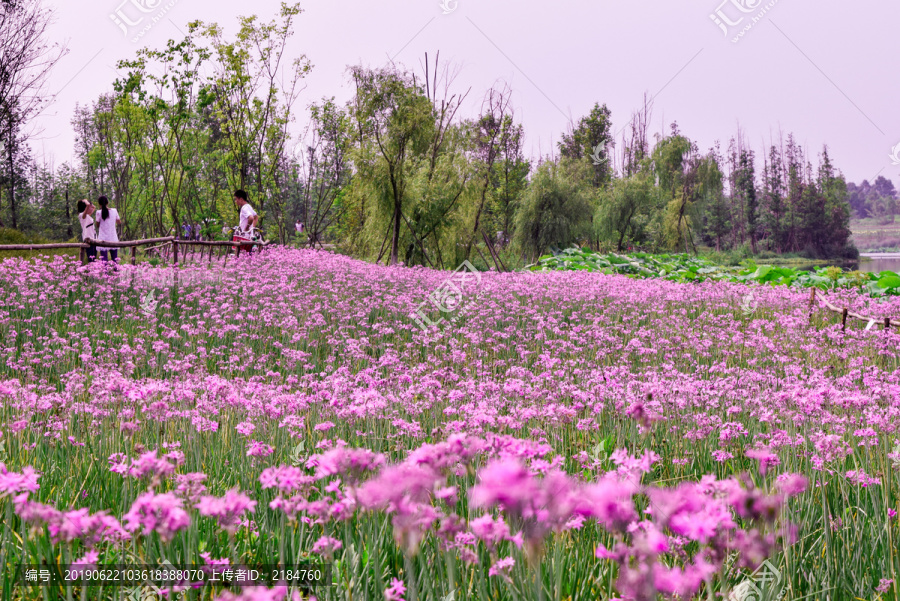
[
  {"x": 169, "y": 241},
  {"x": 846, "y": 313}
]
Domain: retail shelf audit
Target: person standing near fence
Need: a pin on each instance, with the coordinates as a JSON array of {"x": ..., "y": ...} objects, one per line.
[
  {"x": 106, "y": 230},
  {"x": 249, "y": 220},
  {"x": 86, "y": 219}
]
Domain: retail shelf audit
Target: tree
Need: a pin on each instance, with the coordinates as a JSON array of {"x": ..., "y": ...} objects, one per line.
[
  {"x": 253, "y": 97},
  {"x": 674, "y": 165},
  {"x": 590, "y": 140},
  {"x": 624, "y": 210},
  {"x": 393, "y": 117},
  {"x": 326, "y": 168},
  {"x": 745, "y": 187},
  {"x": 26, "y": 59},
  {"x": 556, "y": 209}
]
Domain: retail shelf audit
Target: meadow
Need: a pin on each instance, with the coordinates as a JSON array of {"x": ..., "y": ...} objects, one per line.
[
  {"x": 873, "y": 235},
  {"x": 564, "y": 435}
]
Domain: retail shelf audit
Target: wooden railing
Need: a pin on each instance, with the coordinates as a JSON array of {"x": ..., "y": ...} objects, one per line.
[
  {"x": 133, "y": 245},
  {"x": 846, "y": 313}
]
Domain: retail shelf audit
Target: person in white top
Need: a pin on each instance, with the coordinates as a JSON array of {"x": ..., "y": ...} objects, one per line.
[
  {"x": 106, "y": 230},
  {"x": 249, "y": 219},
  {"x": 86, "y": 219}
]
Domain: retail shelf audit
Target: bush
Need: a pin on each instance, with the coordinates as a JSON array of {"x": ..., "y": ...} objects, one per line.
[{"x": 11, "y": 236}]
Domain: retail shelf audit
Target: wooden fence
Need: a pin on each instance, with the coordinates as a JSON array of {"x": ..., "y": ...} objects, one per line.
[
  {"x": 845, "y": 313},
  {"x": 169, "y": 242}
]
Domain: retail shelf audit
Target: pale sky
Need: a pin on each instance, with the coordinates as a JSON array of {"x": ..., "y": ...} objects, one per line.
[{"x": 822, "y": 69}]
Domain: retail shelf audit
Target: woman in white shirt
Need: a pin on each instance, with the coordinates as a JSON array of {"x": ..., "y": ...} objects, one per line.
[
  {"x": 86, "y": 219},
  {"x": 106, "y": 230}
]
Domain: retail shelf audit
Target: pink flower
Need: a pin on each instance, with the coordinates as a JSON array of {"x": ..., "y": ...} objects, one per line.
[
  {"x": 489, "y": 530},
  {"x": 352, "y": 463},
  {"x": 505, "y": 482},
  {"x": 160, "y": 513},
  {"x": 791, "y": 484},
  {"x": 861, "y": 478},
  {"x": 190, "y": 486},
  {"x": 12, "y": 483},
  {"x": 245, "y": 428},
  {"x": 396, "y": 591},
  {"x": 326, "y": 546},
  {"x": 609, "y": 501},
  {"x": 765, "y": 457},
  {"x": 258, "y": 449},
  {"x": 228, "y": 510},
  {"x": 148, "y": 463},
  {"x": 87, "y": 561},
  {"x": 502, "y": 568},
  {"x": 255, "y": 593},
  {"x": 212, "y": 562},
  {"x": 286, "y": 478},
  {"x": 722, "y": 456}
]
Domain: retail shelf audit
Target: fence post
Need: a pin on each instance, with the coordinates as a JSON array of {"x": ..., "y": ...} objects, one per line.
[
  {"x": 174, "y": 252},
  {"x": 887, "y": 324},
  {"x": 844, "y": 320},
  {"x": 134, "y": 255},
  {"x": 82, "y": 256},
  {"x": 812, "y": 299}
]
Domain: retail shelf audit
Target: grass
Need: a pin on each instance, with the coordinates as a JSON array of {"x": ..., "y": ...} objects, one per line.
[
  {"x": 874, "y": 235},
  {"x": 546, "y": 367}
]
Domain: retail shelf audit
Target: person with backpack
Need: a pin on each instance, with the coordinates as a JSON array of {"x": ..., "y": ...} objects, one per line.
[
  {"x": 248, "y": 220},
  {"x": 106, "y": 229}
]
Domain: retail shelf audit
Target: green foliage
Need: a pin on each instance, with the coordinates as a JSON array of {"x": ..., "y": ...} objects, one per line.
[
  {"x": 556, "y": 209},
  {"x": 590, "y": 141},
  {"x": 625, "y": 210},
  {"x": 686, "y": 268},
  {"x": 11, "y": 236}
]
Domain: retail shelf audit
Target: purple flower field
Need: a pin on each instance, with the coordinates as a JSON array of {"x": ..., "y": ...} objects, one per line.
[{"x": 571, "y": 436}]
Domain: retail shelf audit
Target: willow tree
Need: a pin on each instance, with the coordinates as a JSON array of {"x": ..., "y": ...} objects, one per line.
[
  {"x": 556, "y": 209},
  {"x": 393, "y": 127}
]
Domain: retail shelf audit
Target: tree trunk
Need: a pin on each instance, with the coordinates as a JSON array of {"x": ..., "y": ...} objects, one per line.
[
  {"x": 68, "y": 215},
  {"x": 395, "y": 237},
  {"x": 10, "y": 151}
]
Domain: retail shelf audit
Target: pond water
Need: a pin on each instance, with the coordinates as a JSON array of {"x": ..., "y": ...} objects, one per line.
[
  {"x": 869, "y": 262},
  {"x": 880, "y": 262}
]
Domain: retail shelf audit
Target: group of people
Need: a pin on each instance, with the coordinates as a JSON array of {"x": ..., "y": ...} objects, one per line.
[
  {"x": 190, "y": 232},
  {"x": 101, "y": 226}
]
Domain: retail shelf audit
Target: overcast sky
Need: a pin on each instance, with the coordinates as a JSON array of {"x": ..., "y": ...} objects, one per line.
[{"x": 825, "y": 70}]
